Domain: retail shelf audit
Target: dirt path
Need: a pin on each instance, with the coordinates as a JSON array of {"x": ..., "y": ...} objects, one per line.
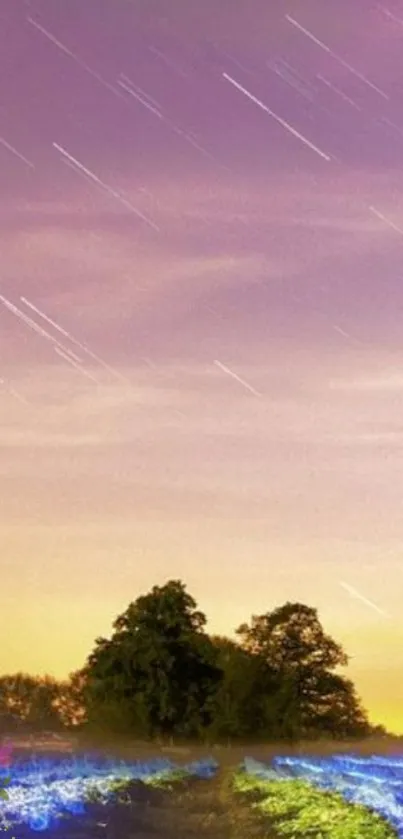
[
  {"x": 197, "y": 809},
  {"x": 204, "y": 810}
]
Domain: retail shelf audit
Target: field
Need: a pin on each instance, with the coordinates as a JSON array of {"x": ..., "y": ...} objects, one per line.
[
  {"x": 130, "y": 791},
  {"x": 77, "y": 796}
]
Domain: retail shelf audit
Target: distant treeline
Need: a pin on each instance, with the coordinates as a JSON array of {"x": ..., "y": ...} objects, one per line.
[{"x": 161, "y": 675}]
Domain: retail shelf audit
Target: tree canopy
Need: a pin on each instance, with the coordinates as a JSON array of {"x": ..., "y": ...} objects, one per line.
[
  {"x": 158, "y": 667},
  {"x": 29, "y": 702},
  {"x": 315, "y": 699},
  {"x": 160, "y": 674},
  {"x": 292, "y": 637}
]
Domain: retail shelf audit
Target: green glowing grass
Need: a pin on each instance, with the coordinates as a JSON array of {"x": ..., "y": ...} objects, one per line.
[
  {"x": 167, "y": 780},
  {"x": 120, "y": 788},
  {"x": 298, "y": 810}
]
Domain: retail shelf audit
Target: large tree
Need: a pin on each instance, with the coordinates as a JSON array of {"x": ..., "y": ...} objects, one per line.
[
  {"x": 312, "y": 698},
  {"x": 157, "y": 673}
]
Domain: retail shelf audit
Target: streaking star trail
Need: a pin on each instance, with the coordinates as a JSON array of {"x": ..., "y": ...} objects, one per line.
[
  {"x": 338, "y": 58},
  {"x": 34, "y": 326},
  {"x": 13, "y": 392},
  {"x": 108, "y": 189},
  {"x": 154, "y": 108},
  {"x": 76, "y": 366},
  {"x": 75, "y": 57},
  {"x": 237, "y": 378},
  {"x": 75, "y": 341},
  {"x": 338, "y": 92},
  {"x": 356, "y": 594},
  {"x": 278, "y": 119},
  {"x": 16, "y": 153},
  {"x": 386, "y": 220}
]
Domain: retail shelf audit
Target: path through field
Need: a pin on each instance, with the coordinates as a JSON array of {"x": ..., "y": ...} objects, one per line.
[{"x": 196, "y": 809}]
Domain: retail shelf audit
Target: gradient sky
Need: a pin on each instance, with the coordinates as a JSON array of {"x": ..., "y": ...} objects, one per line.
[{"x": 202, "y": 229}]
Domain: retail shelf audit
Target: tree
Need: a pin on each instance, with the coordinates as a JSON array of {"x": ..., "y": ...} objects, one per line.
[
  {"x": 156, "y": 674},
  {"x": 70, "y": 702},
  {"x": 311, "y": 697},
  {"x": 29, "y": 702},
  {"x": 292, "y": 636},
  {"x": 243, "y": 703},
  {"x": 335, "y": 709},
  {"x": 43, "y": 712}
]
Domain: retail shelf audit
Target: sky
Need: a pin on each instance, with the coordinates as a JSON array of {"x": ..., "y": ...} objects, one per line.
[{"x": 201, "y": 222}]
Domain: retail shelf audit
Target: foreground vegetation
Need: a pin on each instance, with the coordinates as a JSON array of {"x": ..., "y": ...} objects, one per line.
[
  {"x": 163, "y": 801},
  {"x": 237, "y": 805},
  {"x": 296, "y": 809}
]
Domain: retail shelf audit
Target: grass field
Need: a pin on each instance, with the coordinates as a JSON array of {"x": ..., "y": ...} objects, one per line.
[
  {"x": 44, "y": 797},
  {"x": 182, "y": 805}
]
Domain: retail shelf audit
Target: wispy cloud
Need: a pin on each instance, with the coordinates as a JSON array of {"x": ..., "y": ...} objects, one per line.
[{"x": 392, "y": 382}]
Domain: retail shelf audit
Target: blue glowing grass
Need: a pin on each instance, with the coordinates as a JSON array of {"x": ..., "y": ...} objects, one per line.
[
  {"x": 376, "y": 782},
  {"x": 41, "y": 791}
]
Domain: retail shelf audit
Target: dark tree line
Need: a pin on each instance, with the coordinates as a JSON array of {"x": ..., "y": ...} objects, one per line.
[{"x": 160, "y": 675}]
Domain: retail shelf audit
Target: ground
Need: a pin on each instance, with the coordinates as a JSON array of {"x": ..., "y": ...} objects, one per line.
[{"x": 196, "y": 809}]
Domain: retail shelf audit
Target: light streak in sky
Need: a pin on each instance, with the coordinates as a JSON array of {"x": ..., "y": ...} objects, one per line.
[
  {"x": 292, "y": 78},
  {"x": 335, "y": 55},
  {"x": 237, "y": 378},
  {"x": 13, "y": 392},
  {"x": 130, "y": 88},
  {"x": 338, "y": 92},
  {"x": 82, "y": 174},
  {"x": 99, "y": 182},
  {"x": 34, "y": 326},
  {"x": 290, "y": 69},
  {"x": 356, "y": 594},
  {"x": 347, "y": 335},
  {"x": 140, "y": 90},
  {"x": 168, "y": 62},
  {"x": 75, "y": 57},
  {"x": 391, "y": 124},
  {"x": 16, "y": 153},
  {"x": 386, "y": 220},
  {"x": 76, "y": 366},
  {"x": 75, "y": 341},
  {"x": 192, "y": 142},
  {"x": 341, "y": 331},
  {"x": 390, "y": 15},
  {"x": 140, "y": 99},
  {"x": 278, "y": 119},
  {"x": 237, "y": 62}
]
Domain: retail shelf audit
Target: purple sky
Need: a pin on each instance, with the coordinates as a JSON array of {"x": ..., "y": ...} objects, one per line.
[{"x": 187, "y": 183}]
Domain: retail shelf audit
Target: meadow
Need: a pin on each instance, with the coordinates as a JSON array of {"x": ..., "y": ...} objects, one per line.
[{"x": 74, "y": 790}]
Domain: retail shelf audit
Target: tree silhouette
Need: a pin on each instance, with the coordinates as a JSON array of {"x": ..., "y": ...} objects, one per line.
[
  {"x": 161, "y": 675},
  {"x": 157, "y": 672},
  {"x": 311, "y": 698}
]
